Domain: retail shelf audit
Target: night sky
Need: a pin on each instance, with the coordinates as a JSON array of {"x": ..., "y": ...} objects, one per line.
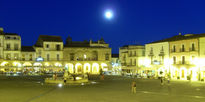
[{"x": 134, "y": 21}]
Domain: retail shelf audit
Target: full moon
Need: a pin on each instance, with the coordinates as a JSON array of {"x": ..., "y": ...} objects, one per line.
[{"x": 108, "y": 14}]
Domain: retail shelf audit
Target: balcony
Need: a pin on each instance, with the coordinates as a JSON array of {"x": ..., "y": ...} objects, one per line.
[
  {"x": 182, "y": 50},
  {"x": 161, "y": 53},
  {"x": 173, "y": 50},
  {"x": 192, "y": 49}
]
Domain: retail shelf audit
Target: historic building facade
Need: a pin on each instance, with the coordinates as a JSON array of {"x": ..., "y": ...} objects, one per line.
[
  {"x": 180, "y": 57},
  {"x": 49, "y": 55},
  {"x": 130, "y": 57},
  {"x": 156, "y": 59},
  {"x": 87, "y": 56}
]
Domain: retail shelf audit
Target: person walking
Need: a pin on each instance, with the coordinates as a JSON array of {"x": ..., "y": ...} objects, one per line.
[
  {"x": 162, "y": 80},
  {"x": 65, "y": 80},
  {"x": 134, "y": 86}
]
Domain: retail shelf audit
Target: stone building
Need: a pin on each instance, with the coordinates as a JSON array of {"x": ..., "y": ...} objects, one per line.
[
  {"x": 49, "y": 55},
  {"x": 87, "y": 56},
  {"x": 156, "y": 59},
  {"x": 183, "y": 57},
  {"x": 130, "y": 58}
]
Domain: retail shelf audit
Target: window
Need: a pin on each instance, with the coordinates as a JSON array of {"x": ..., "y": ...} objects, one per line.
[
  {"x": 30, "y": 57},
  {"x": 16, "y": 55},
  {"x": 130, "y": 61},
  {"x": 183, "y": 59},
  {"x": 8, "y": 47},
  {"x": 174, "y": 60},
  {"x": 151, "y": 51},
  {"x": 16, "y": 46},
  {"x": 134, "y": 61},
  {"x": 107, "y": 56},
  {"x": 151, "y": 59},
  {"x": 174, "y": 49},
  {"x": 58, "y": 47},
  {"x": 130, "y": 53},
  {"x": 47, "y": 45},
  {"x": 39, "y": 52},
  {"x": 162, "y": 49},
  {"x": 72, "y": 56},
  {"x": 8, "y": 56},
  {"x": 95, "y": 55},
  {"x": 162, "y": 59},
  {"x": 23, "y": 57},
  {"x": 183, "y": 48},
  {"x": 48, "y": 57},
  {"x": 192, "y": 47},
  {"x": 85, "y": 56},
  {"x": 58, "y": 57}
]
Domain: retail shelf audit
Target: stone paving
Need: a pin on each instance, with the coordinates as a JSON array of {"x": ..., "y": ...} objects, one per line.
[{"x": 112, "y": 89}]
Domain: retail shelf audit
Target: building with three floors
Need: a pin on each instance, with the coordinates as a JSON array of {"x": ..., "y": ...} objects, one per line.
[{"x": 50, "y": 54}]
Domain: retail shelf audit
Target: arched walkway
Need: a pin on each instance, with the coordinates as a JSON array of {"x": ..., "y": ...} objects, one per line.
[
  {"x": 86, "y": 68},
  {"x": 70, "y": 68},
  {"x": 95, "y": 68},
  {"x": 78, "y": 68}
]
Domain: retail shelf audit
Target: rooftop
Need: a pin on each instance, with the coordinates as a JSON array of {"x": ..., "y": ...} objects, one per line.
[
  {"x": 27, "y": 49},
  {"x": 180, "y": 37}
]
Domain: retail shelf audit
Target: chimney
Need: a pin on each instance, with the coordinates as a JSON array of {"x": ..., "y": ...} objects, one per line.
[
  {"x": 1, "y": 29},
  {"x": 180, "y": 33}
]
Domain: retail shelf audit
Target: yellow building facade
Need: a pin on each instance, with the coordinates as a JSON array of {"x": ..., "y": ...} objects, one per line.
[
  {"x": 50, "y": 55},
  {"x": 156, "y": 62},
  {"x": 183, "y": 57},
  {"x": 131, "y": 57}
]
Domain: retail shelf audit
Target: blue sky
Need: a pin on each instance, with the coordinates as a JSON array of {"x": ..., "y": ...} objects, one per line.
[{"x": 134, "y": 21}]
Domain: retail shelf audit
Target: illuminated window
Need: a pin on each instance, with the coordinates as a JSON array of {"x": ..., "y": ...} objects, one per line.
[
  {"x": 85, "y": 56},
  {"x": 16, "y": 46}
]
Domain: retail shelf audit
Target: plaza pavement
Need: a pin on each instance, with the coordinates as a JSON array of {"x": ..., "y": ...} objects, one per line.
[{"x": 112, "y": 89}]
